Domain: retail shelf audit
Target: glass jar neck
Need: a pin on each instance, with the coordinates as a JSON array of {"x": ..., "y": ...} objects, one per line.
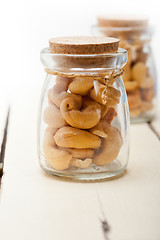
[
  {"x": 132, "y": 35},
  {"x": 84, "y": 64}
]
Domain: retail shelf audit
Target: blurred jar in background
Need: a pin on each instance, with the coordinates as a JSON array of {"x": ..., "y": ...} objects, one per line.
[
  {"x": 83, "y": 130},
  {"x": 139, "y": 76}
]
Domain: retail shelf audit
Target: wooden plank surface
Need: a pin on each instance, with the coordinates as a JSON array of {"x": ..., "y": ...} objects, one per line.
[{"x": 35, "y": 206}]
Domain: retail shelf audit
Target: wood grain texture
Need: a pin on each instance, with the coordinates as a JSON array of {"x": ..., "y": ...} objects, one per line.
[{"x": 35, "y": 205}]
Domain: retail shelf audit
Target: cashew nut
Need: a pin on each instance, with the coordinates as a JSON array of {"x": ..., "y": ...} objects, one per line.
[
  {"x": 65, "y": 81},
  {"x": 84, "y": 119},
  {"x": 59, "y": 159},
  {"x": 104, "y": 110},
  {"x": 134, "y": 99},
  {"x": 111, "y": 113},
  {"x": 81, "y": 85},
  {"x": 111, "y": 146},
  {"x": 87, "y": 101},
  {"x": 79, "y": 163},
  {"x": 147, "y": 89},
  {"x": 80, "y": 153},
  {"x": 59, "y": 92},
  {"x": 139, "y": 72},
  {"x": 130, "y": 85},
  {"x": 100, "y": 129},
  {"x": 53, "y": 117},
  {"x": 69, "y": 137},
  {"x": 105, "y": 95},
  {"x": 147, "y": 94},
  {"x": 61, "y": 85},
  {"x": 147, "y": 83},
  {"x": 127, "y": 73}
]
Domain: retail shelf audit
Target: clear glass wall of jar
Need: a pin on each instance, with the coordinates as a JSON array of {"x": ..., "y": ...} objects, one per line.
[
  {"x": 139, "y": 76},
  {"x": 83, "y": 129}
]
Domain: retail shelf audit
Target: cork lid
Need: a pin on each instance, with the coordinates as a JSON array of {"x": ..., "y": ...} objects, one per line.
[
  {"x": 122, "y": 21},
  {"x": 83, "y": 45}
]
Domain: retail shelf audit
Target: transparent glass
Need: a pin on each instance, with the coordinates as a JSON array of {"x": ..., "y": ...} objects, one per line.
[
  {"x": 83, "y": 123},
  {"x": 139, "y": 73}
]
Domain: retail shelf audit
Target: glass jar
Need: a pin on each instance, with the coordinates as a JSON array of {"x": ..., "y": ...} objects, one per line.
[
  {"x": 83, "y": 129},
  {"x": 139, "y": 76}
]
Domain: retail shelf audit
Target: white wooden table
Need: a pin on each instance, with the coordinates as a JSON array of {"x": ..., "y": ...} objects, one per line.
[{"x": 35, "y": 206}]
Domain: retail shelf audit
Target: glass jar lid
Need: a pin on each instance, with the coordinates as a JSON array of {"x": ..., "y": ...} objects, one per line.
[
  {"x": 83, "y": 54},
  {"x": 124, "y": 26}
]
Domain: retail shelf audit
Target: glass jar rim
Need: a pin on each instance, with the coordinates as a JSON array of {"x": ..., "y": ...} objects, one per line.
[
  {"x": 121, "y": 51},
  {"x": 144, "y": 33},
  {"x": 149, "y": 28},
  {"x": 83, "y": 63}
]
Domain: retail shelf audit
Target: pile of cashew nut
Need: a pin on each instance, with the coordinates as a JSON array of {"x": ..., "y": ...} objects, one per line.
[{"x": 79, "y": 115}]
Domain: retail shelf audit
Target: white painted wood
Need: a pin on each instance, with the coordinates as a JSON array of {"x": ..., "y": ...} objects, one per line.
[
  {"x": 35, "y": 206},
  {"x": 132, "y": 208}
]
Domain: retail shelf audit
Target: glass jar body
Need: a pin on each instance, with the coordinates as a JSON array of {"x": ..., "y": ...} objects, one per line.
[
  {"x": 139, "y": 72},
  {"x": 79, "y": 137}
]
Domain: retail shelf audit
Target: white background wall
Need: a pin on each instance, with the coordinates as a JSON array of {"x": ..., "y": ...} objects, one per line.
[{"x": 26, "y": 26}]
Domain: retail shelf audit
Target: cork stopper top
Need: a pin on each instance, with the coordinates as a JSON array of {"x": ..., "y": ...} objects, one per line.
[
  {"x": 83, "y": 45},
  {"x": 122, "y": 21}
]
